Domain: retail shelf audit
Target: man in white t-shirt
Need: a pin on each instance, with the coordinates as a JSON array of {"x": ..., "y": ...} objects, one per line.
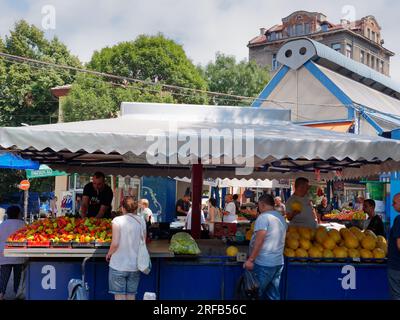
[
  {"x": 229, "y": 214},
  {"x": 298, "y": 207}
]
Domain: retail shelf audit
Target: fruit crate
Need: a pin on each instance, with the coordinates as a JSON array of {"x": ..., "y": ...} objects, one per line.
[
  {"x": 83, "y": 244},
  {"x": 17, "y": 244},
  {"x": 38, "y": 244},
  {"x": 337, "y": 260},
  {"x": 55, "y": 244},
  {"x": 102, "y": 244}
]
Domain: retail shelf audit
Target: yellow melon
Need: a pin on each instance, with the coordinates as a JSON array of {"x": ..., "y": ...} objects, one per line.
[
  {"x": 289, "y": 253},
  {"x": 368, "y": 243},
  {"x": 344, "y": 232},
  {"x": 292, "y": 229},
  {"x": 381, "y": 239},
  {"x": 305, "y": 233},
  {"x": 305, "y": 244},
  {"x": 370, "y": 233},
  {"x": 378, "y": 253},
  {"x": 301, "y": 253},
  {"x": 382, "y": 246},
  {"x": 329, "y": 243},
  {"x": 293, "y": 235},
  {"x": 292, "y": 243},
  {"x": 318, "y": 246},
  {"x": 314, "y": 253},
  {"x": 366, "y": 254},
  {"x": 351, "y": 242},
  {"x": 313, "y": 232},
  {"x": 232, "y": 251},
  {"x": 335, "y": 235},
  {"x": 353, "y": 253},
  {"x": 340, "y": 252},
  {"x": 328, "y": 254},
  {"x": 357, "y": 232},
  {"x": 321, "y": 234}
]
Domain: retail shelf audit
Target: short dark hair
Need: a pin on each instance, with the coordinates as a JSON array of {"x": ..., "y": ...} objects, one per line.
[
  {"x": 213, "y": 202},
  {"x": 300, "y": 181},
  {"x": 99, "y": 174},
  {"x": 370, "y": 202},
  {"x": 267, "y": 199},
  {"x": 13, "y": 212},
  {"x": 235, "y": 197}
]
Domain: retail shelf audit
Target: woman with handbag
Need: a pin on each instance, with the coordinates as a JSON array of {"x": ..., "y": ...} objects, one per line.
[{"x": 128, "y": 234}]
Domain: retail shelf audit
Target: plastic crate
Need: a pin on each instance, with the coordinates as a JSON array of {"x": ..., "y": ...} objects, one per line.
[
  {"x": 83, "y": 244},
  {"x": 55, "y": 244},
  {"x": 102, "y": 244},
  {"x": 38, "y": 244},
  {"x": 19, "y": 244}
]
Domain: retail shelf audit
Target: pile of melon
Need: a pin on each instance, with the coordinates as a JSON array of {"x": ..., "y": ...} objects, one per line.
[{"x": 347, "y": 243}]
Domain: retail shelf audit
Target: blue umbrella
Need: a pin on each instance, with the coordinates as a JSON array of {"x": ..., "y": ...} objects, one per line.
[{"x": 12, "y": 161}]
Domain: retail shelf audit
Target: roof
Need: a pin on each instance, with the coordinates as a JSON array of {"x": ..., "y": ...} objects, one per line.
[
  {"x": 357, "y": 71},
  {"x": 151, "y": 138}
]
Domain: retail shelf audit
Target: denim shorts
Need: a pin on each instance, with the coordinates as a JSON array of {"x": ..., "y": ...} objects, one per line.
[{"x": 123, "y": 282}]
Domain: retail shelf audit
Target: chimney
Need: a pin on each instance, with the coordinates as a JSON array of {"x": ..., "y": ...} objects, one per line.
[
  {"x": 344, "y": 22},
  {"x": 262, "y": 31}
]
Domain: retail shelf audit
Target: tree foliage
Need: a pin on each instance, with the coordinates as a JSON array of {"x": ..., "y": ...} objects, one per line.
[
  {"x": 156, "y": 59},
  {"x": 225, "y": 75},
  {"x": 25, "y": 95}
]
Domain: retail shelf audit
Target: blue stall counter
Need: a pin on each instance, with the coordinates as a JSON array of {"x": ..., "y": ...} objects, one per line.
[{"x": 336, "y": 281}]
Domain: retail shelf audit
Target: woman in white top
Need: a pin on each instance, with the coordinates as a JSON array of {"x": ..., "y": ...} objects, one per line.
[
  {"x": 124, "y": 276},
  {"x": 8, "y": 264},
  {"x": 214, "y": 214}
]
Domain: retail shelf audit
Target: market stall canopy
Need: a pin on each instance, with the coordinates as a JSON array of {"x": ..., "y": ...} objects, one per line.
[
  {"x": 44, "y": 171},
  {"x": 224, "y": 138},
  {"x": 12, "y": 161}
]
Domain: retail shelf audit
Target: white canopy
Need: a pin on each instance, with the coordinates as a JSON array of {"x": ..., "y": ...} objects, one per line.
[{"x": 122, "y": 145}]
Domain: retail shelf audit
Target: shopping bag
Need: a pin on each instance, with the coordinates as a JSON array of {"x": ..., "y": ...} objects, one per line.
[
  {"x": 247, "y": 286},
  {"x": 78, "y": 290}
]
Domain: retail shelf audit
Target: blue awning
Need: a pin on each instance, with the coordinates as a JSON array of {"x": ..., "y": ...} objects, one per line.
[{"x": 11, "y": 161}]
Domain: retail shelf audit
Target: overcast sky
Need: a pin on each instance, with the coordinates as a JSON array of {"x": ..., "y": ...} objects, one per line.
[{"x": 203, "y": 27}]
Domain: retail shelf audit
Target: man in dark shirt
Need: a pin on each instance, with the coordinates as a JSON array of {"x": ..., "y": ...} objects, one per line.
[
  {"x": 323, "y": 208},
  {"x": 394, "y": 252},
  {"x": 97, "y": 198},
  {"x": 375, "y": 224},
  {"x": 182, "y": 206}
]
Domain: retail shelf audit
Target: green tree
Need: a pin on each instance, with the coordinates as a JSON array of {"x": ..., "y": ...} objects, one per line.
[
  {"x": 93, "y": 98},
  {"x": 225, "y": 75},
  {"x": 25, "y": 88},
  {"x": 156, "y": 59}
]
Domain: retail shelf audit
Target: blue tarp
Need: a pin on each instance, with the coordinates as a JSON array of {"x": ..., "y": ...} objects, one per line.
[{"x": 11, "y": 161}]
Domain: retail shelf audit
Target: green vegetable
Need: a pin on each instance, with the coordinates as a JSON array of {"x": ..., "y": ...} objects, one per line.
[{"x": 183, "y": 243}]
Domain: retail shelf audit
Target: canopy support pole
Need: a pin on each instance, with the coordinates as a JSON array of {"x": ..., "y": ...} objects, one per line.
[{"x": 197, "y": 190}]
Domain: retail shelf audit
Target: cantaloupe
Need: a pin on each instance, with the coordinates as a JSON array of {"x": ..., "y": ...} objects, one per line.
[{"x": 368, "y": 243}]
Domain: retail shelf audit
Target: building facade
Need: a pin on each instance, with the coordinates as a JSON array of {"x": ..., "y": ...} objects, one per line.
[{"x": 359, "y": 40}]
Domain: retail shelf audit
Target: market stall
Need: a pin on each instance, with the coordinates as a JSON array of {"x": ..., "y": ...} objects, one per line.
[{"x": 169, "y": 140}]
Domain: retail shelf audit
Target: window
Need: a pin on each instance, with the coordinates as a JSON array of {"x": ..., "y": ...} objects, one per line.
[
  {"x": 336, "y": 47},
  {"x": 349, "y": 50},
  {"x": 273, "y": 36},
  {"x": 372, "y": 62},
  {"x": 362, "y": 56},
  {"x": 373, "y": 36},
  {"x": 299, "y": 30},
  {"x": 367, "y": 59},
  {"x": 275, "y": 63},
  {"x": 382, "y": 66},
  {"x": 377, "y": 64},
  {"x": 324, "y": 27},
  {"x": 307, "y": 28},
  {"x": 279, "y": 35},
  {"x": 369, "y": 33}
]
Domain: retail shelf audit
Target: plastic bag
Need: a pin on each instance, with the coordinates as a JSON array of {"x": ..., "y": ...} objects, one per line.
[
  {"x": 183, "y": 243},
  {"x": 247, "y": 287}
]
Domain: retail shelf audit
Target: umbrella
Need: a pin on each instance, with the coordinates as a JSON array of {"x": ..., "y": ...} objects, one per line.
[{"x": 12, "y": 161}]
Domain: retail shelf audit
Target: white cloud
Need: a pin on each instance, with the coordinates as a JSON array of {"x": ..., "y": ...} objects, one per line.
[{"x": 202, "y": 27}]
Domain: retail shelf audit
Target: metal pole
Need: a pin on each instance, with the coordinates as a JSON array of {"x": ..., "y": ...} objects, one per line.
[{"x": 26, "y": 196}]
